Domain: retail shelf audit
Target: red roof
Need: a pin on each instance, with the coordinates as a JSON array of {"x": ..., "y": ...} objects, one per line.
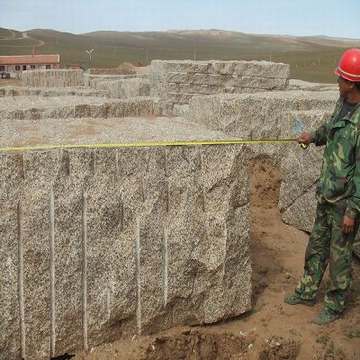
[{"x": 29, "y": 59}]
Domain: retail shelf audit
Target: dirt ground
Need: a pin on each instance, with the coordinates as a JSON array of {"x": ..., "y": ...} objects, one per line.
[
  {"x": 10, "y": 82},
  {"x": 272, "y": 330}
]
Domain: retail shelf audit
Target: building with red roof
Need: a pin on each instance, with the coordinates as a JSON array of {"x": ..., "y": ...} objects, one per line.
[{"x": 19, "y": 63}]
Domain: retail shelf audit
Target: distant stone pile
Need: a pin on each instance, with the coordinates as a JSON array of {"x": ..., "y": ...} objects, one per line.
[{"x": 52, "y": 78}]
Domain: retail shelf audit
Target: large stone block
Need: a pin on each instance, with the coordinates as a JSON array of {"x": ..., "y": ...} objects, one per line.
[
  {"x": 52, "y": 78},
  {"x": 168, "y": 78},
  {"x": 107, "y": 243},
  {"x": 300, "y": 170},
  {"x": 301, "y": 212},
  {"x": 274, "y": 115},
  {"x": 50, "y": 92},
  {"x": 265, "y": 69},
  {"x": 260, "y": 115},
  {"x": 257, "y": 82},
  {"x": 125, "y": 88},
  {"x": 63, "y": 107}
]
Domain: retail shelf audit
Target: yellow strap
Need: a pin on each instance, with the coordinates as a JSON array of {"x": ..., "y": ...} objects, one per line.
[{"x": 147, "y": 144}]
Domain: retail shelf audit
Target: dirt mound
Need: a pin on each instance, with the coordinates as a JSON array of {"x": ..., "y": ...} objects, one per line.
[
  {"x": 278, "y": 348},
  {"x": 329, "y": 351},
  {"x": 197, "y": 346},
  {"x": 265, "y": 184}
]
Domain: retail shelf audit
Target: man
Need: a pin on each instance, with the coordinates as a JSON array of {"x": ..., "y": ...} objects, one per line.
[{"x": 338, "y": 195}]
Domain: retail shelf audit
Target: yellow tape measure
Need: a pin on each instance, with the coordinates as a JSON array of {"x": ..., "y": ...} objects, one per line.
[{"x": 149, "y": 144}]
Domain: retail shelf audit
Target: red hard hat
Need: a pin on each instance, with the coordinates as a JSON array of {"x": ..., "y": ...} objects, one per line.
[{"x": 349, "y": 65}]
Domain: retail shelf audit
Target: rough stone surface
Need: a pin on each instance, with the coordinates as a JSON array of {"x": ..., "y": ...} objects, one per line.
[
  {"x": 295, "y": 84},
  {"x": 60, "y": 107},
  {"x": 301, "y": 212},
  {"x": 48, "y": 92},
  {"x": 28, "y": 132},
  {"x": 143, "y": 239},
  {"x": 301, "y": 169},
  {"x": 124, "y": 88},
  {"x": 177, "y": 82},
  {"x": 260, "y": 115},
  {"x": 52, "y": 78},
  {"x": 273, "y": 115},
  {"x": 92, "y": 79}
]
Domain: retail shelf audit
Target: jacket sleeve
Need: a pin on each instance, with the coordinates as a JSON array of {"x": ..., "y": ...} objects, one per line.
[
  {"x": 353, "y": 203},
  {"x": 319, "y": 136}
]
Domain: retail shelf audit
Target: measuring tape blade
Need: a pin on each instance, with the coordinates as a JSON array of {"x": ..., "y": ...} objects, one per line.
[{"x": 147, "y": 144}]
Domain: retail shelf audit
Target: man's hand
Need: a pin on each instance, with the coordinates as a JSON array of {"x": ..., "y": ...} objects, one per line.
[
  {"x": 304, "y": 138},
  {"x": 348, "y": 224}
]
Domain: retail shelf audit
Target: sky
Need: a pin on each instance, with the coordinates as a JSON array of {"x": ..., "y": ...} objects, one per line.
[{"x": 291, "y": 17}]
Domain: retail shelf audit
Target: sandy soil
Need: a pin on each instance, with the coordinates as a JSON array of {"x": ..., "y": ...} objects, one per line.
[
  {"x": 272, "y": 330},
  {"x": 10, "y": 82}
]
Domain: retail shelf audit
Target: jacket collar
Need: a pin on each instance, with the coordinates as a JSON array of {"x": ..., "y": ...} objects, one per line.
[{"x": 354, "y": 115}]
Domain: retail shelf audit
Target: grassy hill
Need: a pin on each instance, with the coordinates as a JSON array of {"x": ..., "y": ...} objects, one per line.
[{"x": 311, "y": 58}]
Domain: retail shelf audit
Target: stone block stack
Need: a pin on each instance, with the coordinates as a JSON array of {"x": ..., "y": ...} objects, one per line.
[
  {"x": 124, "y": 88},
  {"x": 50, "y": 92},
  {"x": 64, "y": 107},
  {"x": 272, "y": 115},
  {"x": 53, "y": 78},
  {"x": 100, "y": 243},
  {"x": 177, "y": 82}
]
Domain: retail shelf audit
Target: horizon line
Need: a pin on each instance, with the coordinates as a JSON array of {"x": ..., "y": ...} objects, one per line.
[{"x": 189, "y": 30}]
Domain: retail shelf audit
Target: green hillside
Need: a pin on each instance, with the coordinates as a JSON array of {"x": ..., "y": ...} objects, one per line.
[{"x": 310, "y": 58}]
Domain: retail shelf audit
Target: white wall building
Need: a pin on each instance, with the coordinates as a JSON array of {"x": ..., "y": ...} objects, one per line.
[{"x": 15, "y": 64}]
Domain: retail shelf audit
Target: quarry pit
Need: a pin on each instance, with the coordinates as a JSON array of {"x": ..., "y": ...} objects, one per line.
[{"x": 101, "y": 243}]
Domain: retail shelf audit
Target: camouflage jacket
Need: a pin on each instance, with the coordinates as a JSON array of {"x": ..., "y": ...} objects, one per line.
[{"x": 340, "y": 174}]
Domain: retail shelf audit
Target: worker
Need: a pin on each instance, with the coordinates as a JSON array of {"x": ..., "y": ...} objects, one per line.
[{"x": 338, "y": 198}]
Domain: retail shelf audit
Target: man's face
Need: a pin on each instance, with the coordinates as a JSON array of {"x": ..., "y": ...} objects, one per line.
[{"x": 345, "y": 87}]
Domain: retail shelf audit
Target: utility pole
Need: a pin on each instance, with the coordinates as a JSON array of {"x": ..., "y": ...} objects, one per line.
[
  {"x": 194, "y": 52},
  {"x": 146, "y": 56},
  {"x": 90, "y": 53}
]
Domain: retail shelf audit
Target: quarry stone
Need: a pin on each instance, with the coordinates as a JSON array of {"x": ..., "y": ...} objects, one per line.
[
  {"x": 60, "y": 107},
  {"x": 101, "y": 243},
  {"x": 273, "y": 115},
  {"x": 259, "y": 115},
  {"x": 52, "y": 78},
  {"x": 179, "y": 81},
  {"x": 124, "y": 88},
  {"x": 47, "y": 92},
  {"x": 109, "y": 264},
  {"x": 295, "y": 84},
  {"x": 92, "y": 79}
]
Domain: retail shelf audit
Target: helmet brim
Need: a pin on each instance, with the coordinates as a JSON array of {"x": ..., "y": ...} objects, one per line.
[{"x": 347, "y": 77}]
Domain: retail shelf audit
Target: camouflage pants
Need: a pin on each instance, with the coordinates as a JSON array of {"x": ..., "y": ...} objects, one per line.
[{"x": 328, "y": 245}]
